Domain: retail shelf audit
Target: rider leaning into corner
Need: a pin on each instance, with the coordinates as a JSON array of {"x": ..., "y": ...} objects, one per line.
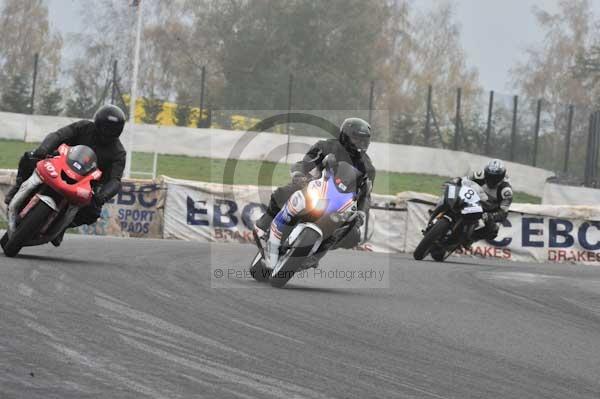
[
  {"x": 494, "y": 181},
  {"x": 350, "y": 146},
  {"x": 102, "y": 136}
]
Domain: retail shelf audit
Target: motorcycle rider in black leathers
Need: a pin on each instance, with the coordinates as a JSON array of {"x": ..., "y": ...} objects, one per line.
[
  {"x": 102, "y": 136},
  {"x": 350, "y": 146},
  {"x": 494, "y": 181}
]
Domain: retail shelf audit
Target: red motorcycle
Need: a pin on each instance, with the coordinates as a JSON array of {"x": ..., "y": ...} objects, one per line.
[{"x": 48, "y": 201}]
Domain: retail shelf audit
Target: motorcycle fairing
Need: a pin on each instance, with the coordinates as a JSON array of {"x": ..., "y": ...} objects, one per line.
[
  {"x": 22, "y": 194},
  {"x": 324, "y": 198},
  {"x": 56, "y": 173},
  {"x": 294, "y": 234}
]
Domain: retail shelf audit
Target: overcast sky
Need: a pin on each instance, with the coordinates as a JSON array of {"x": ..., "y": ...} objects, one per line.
[{"x": 494, "y": 32}]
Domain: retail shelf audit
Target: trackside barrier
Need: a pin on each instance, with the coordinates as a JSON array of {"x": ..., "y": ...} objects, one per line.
[
  {"x": 226, "y": 144},
  {"x": 557, "y": 194},
  {"x": 208, "y": 212}
]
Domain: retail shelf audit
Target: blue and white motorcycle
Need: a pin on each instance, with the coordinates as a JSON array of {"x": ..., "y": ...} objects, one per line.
[{"x": 311, "y": 223}]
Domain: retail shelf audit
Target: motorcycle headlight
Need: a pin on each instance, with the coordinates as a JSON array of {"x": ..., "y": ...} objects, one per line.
[{"x": 317, "y": 204}]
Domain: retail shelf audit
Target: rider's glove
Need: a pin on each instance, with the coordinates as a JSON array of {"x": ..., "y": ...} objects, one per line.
[
  {"x": 455, "y": 180},
  {"x": 329, "y": 161},
  {"x": 98, "y": 201},
  {"x": 486, "y": 217},
  {"x": 39, "y": 153},
  {"x": 299, "y": 179}
]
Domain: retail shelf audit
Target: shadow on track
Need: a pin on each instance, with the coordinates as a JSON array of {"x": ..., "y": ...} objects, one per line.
[
  {"x": 306, "y": 288},
  {"x": 55, "y": 259},
  {"x": 323, "y": 290}
]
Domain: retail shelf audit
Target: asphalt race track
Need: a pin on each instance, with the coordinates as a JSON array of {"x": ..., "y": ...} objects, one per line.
[{"x": 116, "y": 318}]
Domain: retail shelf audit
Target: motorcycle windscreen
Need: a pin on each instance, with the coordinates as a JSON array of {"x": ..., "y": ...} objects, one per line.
[
  {"x": 451, "y": 195},
  {"x": 346, "y": 177},
  {"x": 82, "y": 160}
]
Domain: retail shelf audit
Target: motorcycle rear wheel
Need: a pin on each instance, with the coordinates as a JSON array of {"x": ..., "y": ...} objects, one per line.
[
  {"x": 295, "y": 257},
  {"x": 437, "y": 231},
  {"x": 29, "y": 227}
]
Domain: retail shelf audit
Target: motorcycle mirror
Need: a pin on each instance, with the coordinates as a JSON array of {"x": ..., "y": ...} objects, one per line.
[{"x": 329, "y": 161}]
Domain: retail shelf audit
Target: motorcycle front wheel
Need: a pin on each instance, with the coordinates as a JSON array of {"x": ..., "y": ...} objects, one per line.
[
  {"x": 29, "y": 228},
  {"x": 295, "y": 257},
  {"x": 437, "y": 231},
  {"x": 438, "y": 254},
  {"x": 258, "y": 269}
]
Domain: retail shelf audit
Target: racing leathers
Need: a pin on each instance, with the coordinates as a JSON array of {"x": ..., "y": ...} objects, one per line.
[{"x": 499, "y": 199}]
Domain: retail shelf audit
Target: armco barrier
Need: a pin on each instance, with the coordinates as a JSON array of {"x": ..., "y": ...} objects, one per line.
[
  {"x": 558, "y": 194},
  {"x": 224, "y": 144}
]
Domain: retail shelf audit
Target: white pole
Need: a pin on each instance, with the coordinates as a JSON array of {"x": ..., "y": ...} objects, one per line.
[
  {"x": 154, "y": 165},
  {"x": 133, "y": 97}
]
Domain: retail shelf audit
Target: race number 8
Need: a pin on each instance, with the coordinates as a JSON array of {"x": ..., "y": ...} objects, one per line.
[{"x": 469, "y": 194}]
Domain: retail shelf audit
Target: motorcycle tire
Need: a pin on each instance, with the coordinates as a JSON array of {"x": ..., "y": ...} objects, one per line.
[
  {"x": 258, "y": 269},
  {"x": 29, "y": 228},
  {"x": 295, "y": 257},
  {"x": 435, "y": 233},
  {"x": 438, "y": 255}
]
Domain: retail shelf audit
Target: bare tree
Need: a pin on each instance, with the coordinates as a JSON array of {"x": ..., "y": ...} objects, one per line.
[
  {"x": 548, "y": 72},
  {"x": 25, "y": 31}
]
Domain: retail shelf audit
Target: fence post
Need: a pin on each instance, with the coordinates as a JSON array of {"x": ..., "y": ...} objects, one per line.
[
  {"x": 568, "y": 143},
  {"x": 537, "y": 131},
  {"x": 513, "y": 134},
  {"x": 488, "y": 130},
  {"x": 202, "y": 83},
  {"x": 589, "y": 154},
  {"x": 33, "y": 84},
  {"x": 289, "y": 110},
  {"x": 371, "y": 92},
  {"x": 113, "y": 94},
  {"x": 457, "y": 121},
  {"x": 592, "y": 149},
  {"x": 154, "y": 164},
  {"x": 428, "y": 116},
  {"x": 596, "y": 147}
]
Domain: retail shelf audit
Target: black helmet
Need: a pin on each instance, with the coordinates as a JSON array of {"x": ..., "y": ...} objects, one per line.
[
  {"x": 355, "y": 135},
  {"x": 494, "y": 173},
  {"x": 109, "y": 121}
]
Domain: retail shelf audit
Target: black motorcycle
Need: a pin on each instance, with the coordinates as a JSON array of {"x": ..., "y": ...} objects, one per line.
[{"x": 453, "y": 221}]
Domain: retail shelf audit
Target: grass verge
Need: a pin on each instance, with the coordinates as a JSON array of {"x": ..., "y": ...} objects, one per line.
[{"x": 248, "y": 172}]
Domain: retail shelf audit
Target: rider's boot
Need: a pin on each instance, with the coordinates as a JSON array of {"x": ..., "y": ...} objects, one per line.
[
  {"x": 59, "y": 239},
  {"x": 261, "y": 228}
]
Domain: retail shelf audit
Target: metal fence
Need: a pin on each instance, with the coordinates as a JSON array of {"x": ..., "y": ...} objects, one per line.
[{"x": 558, "y": 137}]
